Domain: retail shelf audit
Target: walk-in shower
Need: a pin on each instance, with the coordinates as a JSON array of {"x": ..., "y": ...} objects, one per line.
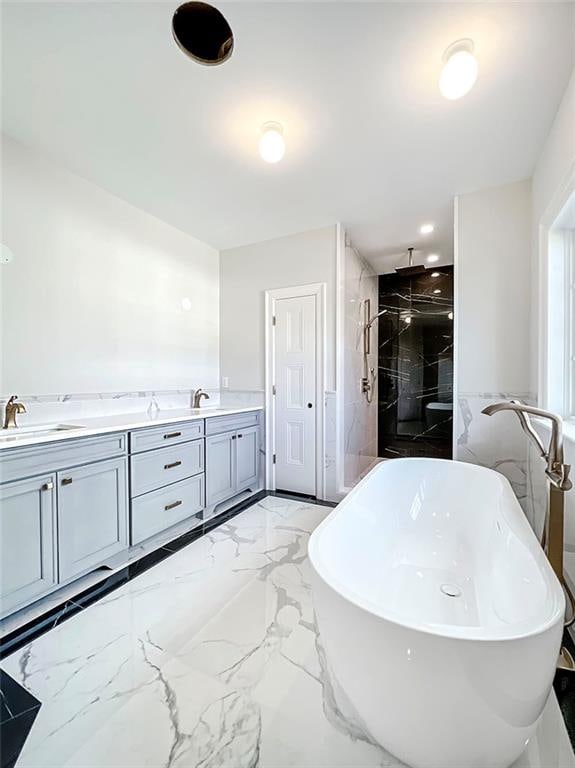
[{"x": 415, "y": 363}]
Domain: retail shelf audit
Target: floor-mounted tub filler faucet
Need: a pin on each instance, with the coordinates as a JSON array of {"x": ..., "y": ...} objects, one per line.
[
  {"x": 559, "y": 483},
  {"x": 198, "y": 394}
]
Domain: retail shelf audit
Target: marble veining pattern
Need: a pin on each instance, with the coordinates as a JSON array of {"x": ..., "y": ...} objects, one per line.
[
  {"x": 211, "y": 659},
  {"x": 416, "y": 364},
  {"x": 43, "y": 409},
  {"x": 496, "y": 442}
]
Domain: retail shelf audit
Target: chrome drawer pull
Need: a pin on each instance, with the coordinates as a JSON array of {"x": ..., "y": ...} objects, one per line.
[
  {"x": 48, "y": 486},
  {"x": 172, "y": 434},
  {"x": 171, "y": 466},
  {"x": 67, "y": 481},
  {"x": 172, "y": 505}
]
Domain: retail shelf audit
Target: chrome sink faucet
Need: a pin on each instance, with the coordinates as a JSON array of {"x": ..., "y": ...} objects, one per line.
[
  {"x": 12, "y": 408},
  {"x": 198, "y": 394}
]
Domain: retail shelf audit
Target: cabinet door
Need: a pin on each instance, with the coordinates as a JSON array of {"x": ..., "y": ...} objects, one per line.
[
  {"x": 247, "y": 458},
  {"x": 92, "y": 515},
  {"x": 27, "y": 560},
  {"x": 220, "y": 468}
]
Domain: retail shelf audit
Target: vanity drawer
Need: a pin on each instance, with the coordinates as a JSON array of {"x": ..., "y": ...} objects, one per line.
[
  {"x": 156, "y": 511},
  {"x": 156, "y": 469},
  {"x": 219, "y": 424},
  {"x": 169, "y": 434},
  {"x": 18, "y": 463}
]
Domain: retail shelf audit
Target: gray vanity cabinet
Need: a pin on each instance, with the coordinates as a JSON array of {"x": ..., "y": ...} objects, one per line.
[
  {"x": 92, "y": 515},
  {"x": 231, "y": 462},
  {"x": 27, "y": 525},
  {"x": 247, "y": 458},
  {"x": 220, "y": 467}
]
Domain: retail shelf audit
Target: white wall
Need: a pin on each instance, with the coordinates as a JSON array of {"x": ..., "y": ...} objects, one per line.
[
  {"x": 246, "y": 273},
  {"x": 92, "y": 301},
  {"x": 493, "y": 241}
]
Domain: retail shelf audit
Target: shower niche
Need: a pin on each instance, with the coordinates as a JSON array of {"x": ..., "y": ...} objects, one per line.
[{"x": 415, "y": 364}]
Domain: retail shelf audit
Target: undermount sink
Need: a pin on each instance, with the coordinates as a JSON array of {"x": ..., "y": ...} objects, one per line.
[
  {"x": 37, "y": 430},
  {"x": 204, "y": 409}
]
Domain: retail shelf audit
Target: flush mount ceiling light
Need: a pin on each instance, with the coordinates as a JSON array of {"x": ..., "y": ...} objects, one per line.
[
  {"x": 203, "y": 33},
  {"x": 432, "y": 258},
  {"x": 272, "y": 145},
  {"x": 435, "y": 274},
  {"x": 450, "y": 315},
  {"x": 437, "y": 290},
  {"x": 459, "y": 71},
  {"x": 426, "y": 229}
]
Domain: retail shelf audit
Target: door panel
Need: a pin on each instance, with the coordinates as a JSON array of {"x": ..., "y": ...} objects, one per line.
[
  {"x": 247, "y": 458},
  {"x": 295, "y": 406},
  {"x": 220, "y": 467},
  {"x": 27, "y": 562},
  {"x": 92, "y": 515}
]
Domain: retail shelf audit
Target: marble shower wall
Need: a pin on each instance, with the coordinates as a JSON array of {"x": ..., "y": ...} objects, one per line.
[
  {"x": 360, "y": 418},
  {"x": 496, "y": 442}
]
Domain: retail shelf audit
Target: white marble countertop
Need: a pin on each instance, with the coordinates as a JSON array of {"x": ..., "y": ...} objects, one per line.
[{"x": 119, "y": 422}]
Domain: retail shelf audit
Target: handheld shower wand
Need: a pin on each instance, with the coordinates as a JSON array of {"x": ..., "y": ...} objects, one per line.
[{"x": 369, "y": 375}]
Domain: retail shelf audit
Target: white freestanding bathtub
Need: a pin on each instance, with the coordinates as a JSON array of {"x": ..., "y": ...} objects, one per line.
[{"x": 439, "y": 614}]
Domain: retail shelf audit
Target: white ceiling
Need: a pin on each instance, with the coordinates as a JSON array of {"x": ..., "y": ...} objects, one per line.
[{"x": 104, "y": 90}]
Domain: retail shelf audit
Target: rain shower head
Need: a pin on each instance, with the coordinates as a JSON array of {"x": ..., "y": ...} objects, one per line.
[{"x": 418, "y": 269}]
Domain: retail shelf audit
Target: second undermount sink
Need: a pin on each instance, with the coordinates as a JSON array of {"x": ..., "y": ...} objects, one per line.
[{"x": 37, "y": 430}]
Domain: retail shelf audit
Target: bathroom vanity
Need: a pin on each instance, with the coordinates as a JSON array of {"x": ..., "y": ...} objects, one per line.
[{"x": 92, "y": 498}]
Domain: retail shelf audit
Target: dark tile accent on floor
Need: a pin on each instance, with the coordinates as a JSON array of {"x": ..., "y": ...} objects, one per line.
[
  {"x": 29, "y": 632},
  {"x": 564, "y": 685},
  {"x": 19, "y": 709},
  {"x": 301, "y": 497}
]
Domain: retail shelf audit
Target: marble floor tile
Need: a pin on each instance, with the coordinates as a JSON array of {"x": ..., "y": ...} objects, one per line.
[{"x": 210, "y": 659}]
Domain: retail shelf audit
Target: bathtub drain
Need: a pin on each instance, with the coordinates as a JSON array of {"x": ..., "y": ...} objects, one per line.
[{"x": 451, "y": 590}]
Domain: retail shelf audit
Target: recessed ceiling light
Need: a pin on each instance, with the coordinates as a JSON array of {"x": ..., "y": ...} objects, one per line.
[
  {"x": 432, "y": 258},
  {"x": 437, "y": 290},
  {"x": 459, "y": 71},
  {"x": 426, "y": 229},
  {"x": 450, "y": 315},
  {"x": 408, "y": 320},
  {"x": 435, "y": 274},
  {"x": 272, "y": 145}
]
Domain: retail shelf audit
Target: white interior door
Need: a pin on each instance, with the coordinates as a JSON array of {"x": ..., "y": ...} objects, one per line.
[{"x": 295, "y": 374}]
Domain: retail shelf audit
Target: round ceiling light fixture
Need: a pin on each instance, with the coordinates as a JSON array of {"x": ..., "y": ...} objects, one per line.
[
  {"x": 203, "y": 33},
  {"x": 272, "y": 146},
  {"x": 426, "y": 229},
  {"x": 459, "y": 71},
  {"x": 432, "y": 258}
]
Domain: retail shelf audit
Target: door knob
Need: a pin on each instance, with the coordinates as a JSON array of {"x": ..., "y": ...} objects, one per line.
[{"x": 309, "y": 405}]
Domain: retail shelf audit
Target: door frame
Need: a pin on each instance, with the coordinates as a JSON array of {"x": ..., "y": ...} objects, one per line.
[{"x": 318, "y": 290}]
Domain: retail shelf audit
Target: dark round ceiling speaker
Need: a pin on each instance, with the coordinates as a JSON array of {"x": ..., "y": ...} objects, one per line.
[{"x": 203, "y": 33}]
